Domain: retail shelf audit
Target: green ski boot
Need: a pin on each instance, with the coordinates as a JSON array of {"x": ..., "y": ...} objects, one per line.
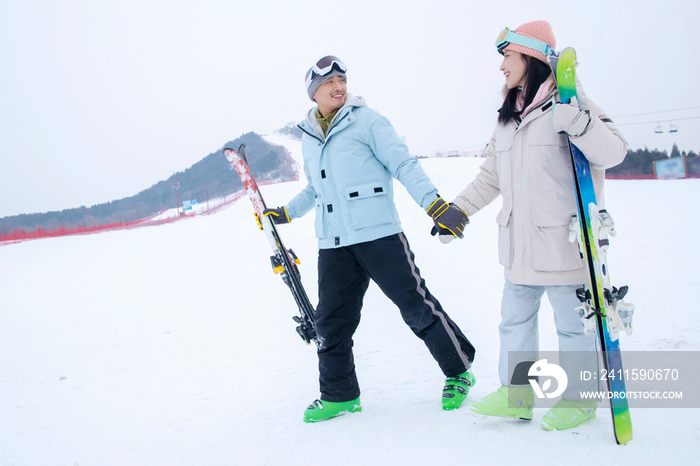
[
  {"x": 456, "y": 390},
  {"x": 321, "y": 410},
  {"x": 567, "y": 414},
  {"x": 516, "y": 402}
]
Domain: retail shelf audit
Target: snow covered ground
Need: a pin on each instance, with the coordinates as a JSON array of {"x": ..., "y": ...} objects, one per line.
[{"x": 174, "y": 345}]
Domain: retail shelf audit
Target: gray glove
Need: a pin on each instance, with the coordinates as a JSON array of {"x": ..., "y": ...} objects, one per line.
[
  {"x": 278, "y": 215},
  {"x": 449, "y": 219}
]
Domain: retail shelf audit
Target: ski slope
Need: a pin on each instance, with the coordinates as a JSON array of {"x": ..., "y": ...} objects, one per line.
[{"x": 174, "y": 345}]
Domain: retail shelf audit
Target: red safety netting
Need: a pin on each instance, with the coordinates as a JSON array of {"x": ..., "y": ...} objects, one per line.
[
  {"x": 609, "y": 176},
  {"x": 161, "y": 218}
]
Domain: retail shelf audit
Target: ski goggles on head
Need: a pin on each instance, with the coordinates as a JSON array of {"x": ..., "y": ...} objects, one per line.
[
  {"x": 508, "y": 36},
  {"x": 324, "y": 66}
]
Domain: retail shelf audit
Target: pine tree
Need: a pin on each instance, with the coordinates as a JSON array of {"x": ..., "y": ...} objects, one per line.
[{"x": 675, "y": 152}]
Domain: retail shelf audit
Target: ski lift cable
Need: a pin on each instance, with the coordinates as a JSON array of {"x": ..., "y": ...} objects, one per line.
[
  {"x": 657, "y": 121},
  {"x": 654, "y": 113}
]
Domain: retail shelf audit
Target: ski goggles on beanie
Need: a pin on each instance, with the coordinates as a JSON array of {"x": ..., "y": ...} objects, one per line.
[
  {"x": 508, "y": 36},
  {"x": 323, "y": 67}
]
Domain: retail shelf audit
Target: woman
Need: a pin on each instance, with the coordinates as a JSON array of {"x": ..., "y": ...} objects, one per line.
[{"x": 527, "y": 162}]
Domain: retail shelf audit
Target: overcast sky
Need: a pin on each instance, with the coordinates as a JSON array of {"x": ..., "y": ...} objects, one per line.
[{"x": 100, "y": 100}]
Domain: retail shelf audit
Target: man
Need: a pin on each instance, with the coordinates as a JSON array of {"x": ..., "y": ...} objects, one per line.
[{"x": 351, "y": 153}]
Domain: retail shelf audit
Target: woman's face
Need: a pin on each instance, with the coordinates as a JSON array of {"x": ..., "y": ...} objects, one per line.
[{"x": 514, "y": 68}]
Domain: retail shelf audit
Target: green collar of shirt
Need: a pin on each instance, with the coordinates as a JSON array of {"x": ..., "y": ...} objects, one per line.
[{"x": 325, "y": 122}]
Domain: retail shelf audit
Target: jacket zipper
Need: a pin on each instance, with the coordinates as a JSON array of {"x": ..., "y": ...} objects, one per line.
[
  {"x": 314, "y": 135},
  {"x": 544, "y": 102},
  {"x": 328, "y": 173}
]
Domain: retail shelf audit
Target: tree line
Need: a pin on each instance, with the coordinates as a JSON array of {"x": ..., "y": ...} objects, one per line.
[{"x": 641, "y": 161}]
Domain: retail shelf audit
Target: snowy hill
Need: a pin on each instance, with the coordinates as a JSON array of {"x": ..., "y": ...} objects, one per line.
[{"x": 174, "y": 345}]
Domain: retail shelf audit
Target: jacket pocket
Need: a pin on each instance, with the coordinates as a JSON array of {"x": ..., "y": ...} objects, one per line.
[
  {"x": 369, "y": 205},
  {"x": 503, "y": 144},
  {"x": 550, "y": 176},
  {"x": 503, "y": 148},
  {"x": 504, "y": 243},
  {"x": 318, "y": 223},
  {"x": 541, "y": 133},
  {"x": 551, "y": 249}
]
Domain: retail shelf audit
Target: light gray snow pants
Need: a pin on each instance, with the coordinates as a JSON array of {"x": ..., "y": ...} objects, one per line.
[{"x": 519, "y": 333}]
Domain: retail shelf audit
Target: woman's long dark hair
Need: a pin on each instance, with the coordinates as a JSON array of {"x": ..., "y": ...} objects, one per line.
[{"x": 537, "y": 73}]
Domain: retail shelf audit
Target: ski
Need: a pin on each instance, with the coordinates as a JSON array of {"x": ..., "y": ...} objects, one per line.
[
  {"x": 284, "y": 261},
  {"x": 602, "y": 310}
]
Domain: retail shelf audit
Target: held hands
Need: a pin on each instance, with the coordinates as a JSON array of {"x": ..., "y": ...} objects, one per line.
[
  {"x": 568, "y": 118},
  {"x": 278, "y": 216},
  {"x": 445, "y": 235},
  {"x": 449, "y": 220}
]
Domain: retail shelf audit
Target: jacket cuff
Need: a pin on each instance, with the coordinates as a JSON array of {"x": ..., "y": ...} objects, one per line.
[
  {"x": 291, "y": 212},
  {"x": 429, "y": 200}
]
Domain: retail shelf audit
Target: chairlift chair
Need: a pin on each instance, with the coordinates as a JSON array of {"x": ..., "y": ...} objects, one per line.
[
  {"x": 672, "y": 128},
  {"x": 658, "y": 129}
]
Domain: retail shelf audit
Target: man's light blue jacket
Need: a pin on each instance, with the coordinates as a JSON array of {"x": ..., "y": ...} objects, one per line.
[{"x": 350, "y": 176}]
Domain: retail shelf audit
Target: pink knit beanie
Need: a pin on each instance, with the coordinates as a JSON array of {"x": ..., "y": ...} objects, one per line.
[{"x": 540, "y": 30}]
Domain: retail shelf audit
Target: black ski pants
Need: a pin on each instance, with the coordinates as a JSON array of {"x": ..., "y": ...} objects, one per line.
[{"x": 343, "y": 278}]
